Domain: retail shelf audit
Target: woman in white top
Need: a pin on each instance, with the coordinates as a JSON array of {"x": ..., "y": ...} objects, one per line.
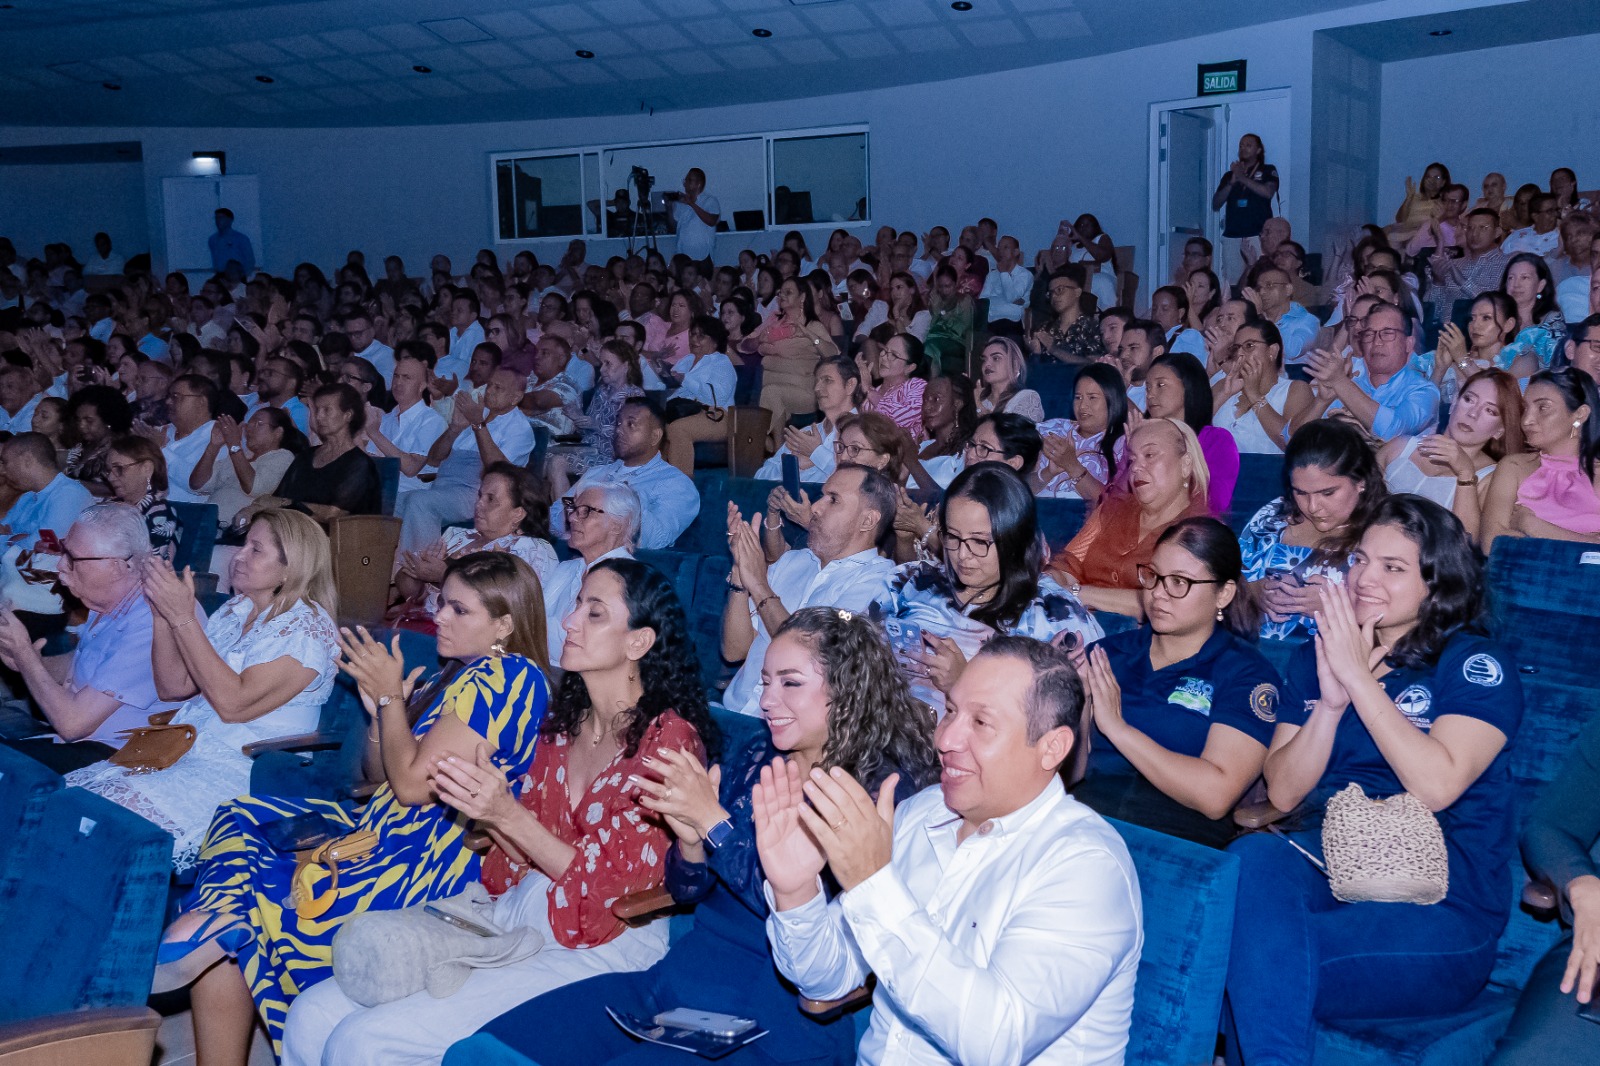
[
  {"x": 1492, "y": 324},
  {"x": 258, "y": 454},
  {"x": 1001, "y": 375},
  {"x": 1256, "y": 401},
  {"x": 260, "y": 669},
  {"x": 1452, "y": 468}
]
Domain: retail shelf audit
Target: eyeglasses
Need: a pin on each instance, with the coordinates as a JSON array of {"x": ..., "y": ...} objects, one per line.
[
  {"x": 1384, "y": 335},
  {"x": 122, "y": 468},
  {"x": 852, "y": 452},
  {"x": 978, "y": 548},
  {"x": 69, "y": 559},
  {"x": 1250, "y": 346},
  {"x": 983, "y": 451},
  {"x": 1175, "y": 585},
  {"x": 581, "y": 511}
]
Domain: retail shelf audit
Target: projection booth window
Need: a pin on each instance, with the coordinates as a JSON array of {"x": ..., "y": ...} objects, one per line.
[
  {"x": 820, "y": 179},
  {"x": 541, "y": 196}
]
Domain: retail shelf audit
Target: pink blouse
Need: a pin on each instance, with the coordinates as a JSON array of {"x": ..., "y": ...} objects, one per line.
[
  {"x": 902, "y": 405},
  {"x": 1559, "y": 493}
]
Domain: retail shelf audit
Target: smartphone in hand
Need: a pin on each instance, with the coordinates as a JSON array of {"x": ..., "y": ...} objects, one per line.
[{"x": 791, "y": 476}]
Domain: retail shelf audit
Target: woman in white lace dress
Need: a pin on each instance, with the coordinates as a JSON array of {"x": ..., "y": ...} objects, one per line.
[{"x": 261, "y": 668}]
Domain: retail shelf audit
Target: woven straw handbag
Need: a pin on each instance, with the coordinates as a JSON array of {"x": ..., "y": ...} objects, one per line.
[{"x": 1384, "y": 851}]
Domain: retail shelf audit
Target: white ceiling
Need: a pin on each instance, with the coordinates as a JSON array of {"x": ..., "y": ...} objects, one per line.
[{"x": 350, "y": 62}]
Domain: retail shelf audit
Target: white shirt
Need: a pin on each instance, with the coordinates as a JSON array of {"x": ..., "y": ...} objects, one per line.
[
  {"x": 579, "y": 372},
  {"x": 111, "y": 264},
  {"x": 667, "y": 497},
  {"x": 1007, "y": 292},
  {"x": 1247, "y": 430},
  {"x": 696, "y": 239},
  {"x": 462, "y": 343},
  {"x": 182, "y": 455},
  {"x": 561, "y": 593},
  {"x": 381, "y": 356},
  {"x": 799, "y": 580},
  {"x": 413, "y": 431},
  {"x": 510, "y": 432},
  {"x": 22, "y": 421},
  {"x": 823, "y": 460},
  {"x": 708, "y": 379},
  {"x": 1019, "y": 944},
  {"x": 1298, "y": 327},
  {"x": 877, "y": 314},
  {"x": 1527, "y": 240}
]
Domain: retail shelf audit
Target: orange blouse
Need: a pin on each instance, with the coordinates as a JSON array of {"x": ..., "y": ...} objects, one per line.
[
  {"x": 621, "y": 846},
  {"x": 1109, "y": 547}
]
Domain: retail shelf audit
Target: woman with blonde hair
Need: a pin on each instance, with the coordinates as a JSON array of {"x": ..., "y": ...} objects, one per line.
[
  {"x": 1002, "y": 373},
  {"x": 260, "y": 669}
]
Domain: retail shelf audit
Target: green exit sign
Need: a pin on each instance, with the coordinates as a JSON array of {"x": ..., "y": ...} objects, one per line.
[{"x": 1216, "y": 79}]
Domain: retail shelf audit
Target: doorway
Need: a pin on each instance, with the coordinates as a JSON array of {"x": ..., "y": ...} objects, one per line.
[{"x": 1191, "y": 144}]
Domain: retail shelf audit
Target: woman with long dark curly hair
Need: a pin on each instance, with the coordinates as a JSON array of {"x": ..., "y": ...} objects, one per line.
[
  {"x": 1402, "y": 692},
  {"x": 833, "y": 696},
  {"x": 573, "y": 838}
]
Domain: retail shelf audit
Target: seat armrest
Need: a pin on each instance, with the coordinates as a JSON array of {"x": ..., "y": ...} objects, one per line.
[
  {"x": 827, "y": 1008},
  {"x": 636, "y": 908},
  {"x": 109, "y": 1036},
  {"x": 1540, "y": 897},
  {"x": 297, "y": 742},
  {"x": 1257, "y": 815},
  {"x": 366, "y": 790}
]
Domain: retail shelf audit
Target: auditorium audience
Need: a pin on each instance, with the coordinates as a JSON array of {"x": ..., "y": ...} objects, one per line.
[
  {"x": 1550, "y": 491},
  {"x": 1182, "y": 708},
  {"x": 834, "y": 700},
  {"x": 259, "y": 454},
  {"x": 1485, "y": 343},
  {"x": 568, "y": 839},
  {"x": 1299, "y": 543},
  {"x": 260, "y": 668},
  {"x": 1385, "y": 394},
  {"x": 251, "y": 903},
  {"x": 1402, "y": 692},
  {"x": 669, "y": 498},
  {"x": 1168, "y": 482}
]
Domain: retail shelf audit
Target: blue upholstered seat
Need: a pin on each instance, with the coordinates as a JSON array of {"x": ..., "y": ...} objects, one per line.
[
  {"x": 81, "y": 908},
  {"x": 1260, "y": 482},
  {"x": 680, "y": 568},
  {"x": 24, "y": 787},
  {"x": 197, "y": 536}
]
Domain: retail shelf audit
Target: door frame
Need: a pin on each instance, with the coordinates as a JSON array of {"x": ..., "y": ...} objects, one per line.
[{"x": 1158, "y": 206}]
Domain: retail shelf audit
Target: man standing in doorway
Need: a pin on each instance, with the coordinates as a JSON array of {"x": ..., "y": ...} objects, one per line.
[{"x": 228, "y": 245}]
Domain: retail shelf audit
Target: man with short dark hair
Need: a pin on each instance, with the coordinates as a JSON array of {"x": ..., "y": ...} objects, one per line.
[
  {"x": 1142, "y": 343},
  {"x": 1001, "y": 917},
  {"x": 104, "y": 262},
  {"x": 1583, "y": 346},
  {"x": 466, "y": 333},
  {"x": 364, "y": 342},
  {"x": 1476, "y": 270},
  {"x": 695, "y": 216},
  {"x": 278, "y": 385},
  {"x": 50, "y": 499},
  {"x": 228, "y": 245},
  {"x": 669, "y": 498},
  {"x": 19, "y": 398},
  {"x": 840, "y": 566},
  {"x": 1007, "y": 288},
  {"x": 192, "y": 405}
]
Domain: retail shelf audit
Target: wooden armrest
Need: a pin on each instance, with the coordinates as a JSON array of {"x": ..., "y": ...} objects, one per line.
[
  {"x": 163, "y": 717},
  {"x": 636, "y": 908},
  {"x": 365, "y": 790},
  {"x": 298, "y": 742},
  {"x": 1257, "y": 815},
  {"x": 1539, "y": 897},
  {"x": 111, "y": 1036},
  {"x": 477, "y": 840},
  {"x": 822, "y": 1008}
]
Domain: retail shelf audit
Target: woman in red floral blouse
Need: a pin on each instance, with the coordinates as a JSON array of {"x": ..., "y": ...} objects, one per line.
[{"x": 576, "y": 840}]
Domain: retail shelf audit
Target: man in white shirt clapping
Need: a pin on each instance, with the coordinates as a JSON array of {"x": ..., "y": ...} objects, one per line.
[
  {"x": 1001, "y": 917},
  {"x": 1007, "y": 288}
]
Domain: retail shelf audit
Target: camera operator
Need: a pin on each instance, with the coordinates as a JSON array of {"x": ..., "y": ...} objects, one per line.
[{"x": 694, "y": 217}]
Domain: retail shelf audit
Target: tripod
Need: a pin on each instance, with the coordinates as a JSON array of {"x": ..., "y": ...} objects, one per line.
[{"x": 645, "y": 218}]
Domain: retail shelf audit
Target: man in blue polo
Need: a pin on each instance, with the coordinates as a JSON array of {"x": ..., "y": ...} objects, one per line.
[{"x": 228, "y": 245}]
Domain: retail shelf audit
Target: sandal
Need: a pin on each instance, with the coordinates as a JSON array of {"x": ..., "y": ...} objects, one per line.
[{"x": 180, "y": 962}]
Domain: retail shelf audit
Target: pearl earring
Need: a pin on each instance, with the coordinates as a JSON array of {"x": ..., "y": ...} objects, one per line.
[{"x": 1219, "y": 614}]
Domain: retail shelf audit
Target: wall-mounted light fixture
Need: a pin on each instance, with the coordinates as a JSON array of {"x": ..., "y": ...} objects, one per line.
[{"x": 210, "y": 162}]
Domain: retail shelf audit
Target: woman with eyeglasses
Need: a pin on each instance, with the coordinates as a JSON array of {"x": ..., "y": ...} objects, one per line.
[
  {"x": 1257, "y": 401},
  {"x": 902, "y": 379},
  {"x": 1182, "y": 708},
  {"x": 986, "y": 577},
  {"x": 137, "y": 472},
  {"x": 1551, "y": 491}
]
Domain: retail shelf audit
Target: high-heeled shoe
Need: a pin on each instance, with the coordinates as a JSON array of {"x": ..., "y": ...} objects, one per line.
[{"x": 180, "y": 962}]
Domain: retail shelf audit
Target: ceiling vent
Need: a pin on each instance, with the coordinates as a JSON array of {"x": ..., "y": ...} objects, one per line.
[{"x": 456, "y": 31}]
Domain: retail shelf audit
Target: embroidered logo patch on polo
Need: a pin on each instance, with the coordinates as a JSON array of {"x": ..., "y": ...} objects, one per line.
[
  {"x": 1264, "y": 702},
  {"x": 1193, "y": 694},
  {"x": 1415, "y": 703},
  {"x": 1481, "y": 669}
]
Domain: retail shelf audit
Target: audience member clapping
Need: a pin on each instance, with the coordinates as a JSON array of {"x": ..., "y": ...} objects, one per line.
[
  {"x": 901, "y": 375},
  {"x": 790, "y": 343},
  {"x": 1256, "y": 401},
  {"x": 1485, "y": 344},
  {"x": 258, "y": 455},
  {"x": 1385, "y": 394},
  {"x": 1081, "y": 455},
  {"x": 836, "y": 384}
]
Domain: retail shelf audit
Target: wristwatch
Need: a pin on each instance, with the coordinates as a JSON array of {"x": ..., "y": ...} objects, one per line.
[
  {"x": 719, "y": 834},
  {"x": 384, "y": 701},
  {"x": 235, "y": 449}
]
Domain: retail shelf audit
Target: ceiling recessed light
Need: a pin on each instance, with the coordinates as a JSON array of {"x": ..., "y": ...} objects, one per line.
[
  {"x": 111, "y": 85},
  {"x": 758, "y": 32},
  {"x": 264, "y": 79},
  {"x": 961, "y": 5},
  {"x": 420, "y": 69},
  {"x": 584, "y": 53},
  {"x": 1440, "y": 33}
]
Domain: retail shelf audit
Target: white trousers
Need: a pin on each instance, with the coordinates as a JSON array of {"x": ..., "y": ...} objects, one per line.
[{"x": 326, "y": 1028}]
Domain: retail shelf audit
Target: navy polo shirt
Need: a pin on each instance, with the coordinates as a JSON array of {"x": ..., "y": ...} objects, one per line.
[
  {"x": 1475, "y": 678},
  {"x": 1228, "y": 682}
]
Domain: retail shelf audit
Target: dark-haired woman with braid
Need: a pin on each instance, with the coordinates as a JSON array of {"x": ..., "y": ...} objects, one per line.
[
  {"x": 1402, "y": 691},
  {"x": 833, "y": 696},
  {"x": 569, "y": 838}
]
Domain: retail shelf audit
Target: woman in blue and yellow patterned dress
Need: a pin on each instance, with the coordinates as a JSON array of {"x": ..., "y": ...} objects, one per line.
[{"x": 491, "y": 623}]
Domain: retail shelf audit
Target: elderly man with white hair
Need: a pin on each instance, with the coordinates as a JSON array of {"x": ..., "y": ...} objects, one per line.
[
  {"x": 602, "y": 523},
  {"x": 112, "y": 685}
]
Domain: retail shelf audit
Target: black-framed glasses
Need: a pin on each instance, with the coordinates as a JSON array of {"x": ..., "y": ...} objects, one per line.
[
  {"x": 1387, "y": 335},
  {"x": 852, "y": 452},
  {"x": 581, "y": 511},
  {"x": 1175, "y": 585},
  {"x": 1251, "y": 346},
  {"x": 976, "y": 545},
  {"x": 68, "y": 558},
  {"x": 982, "y": 451}
]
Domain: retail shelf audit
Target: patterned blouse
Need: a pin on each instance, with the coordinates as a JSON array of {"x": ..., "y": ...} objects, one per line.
[
  {"x": 536, "y": 552},
  {"x": 1261, "y": 544},
  {"x": 1078, "y": 343},
  {"x": 1089, "y": 455},
  {"x": 621, "y": 847},
  {"x": 902, "y": 405},
  {"x": 601, "y": 431},
  {"x": 161, "y": 522}
]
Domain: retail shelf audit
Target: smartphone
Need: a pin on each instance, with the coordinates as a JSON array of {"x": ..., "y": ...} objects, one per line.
[
  {"x": 791, "y": 475},
  {"x": 303, "y": 831},
  {"x": 1590, "y": 1011},
  {"x": 49, "y": 543},
  {"x": 459, "y": 922},
  {"x": 726, "y": 1026}
]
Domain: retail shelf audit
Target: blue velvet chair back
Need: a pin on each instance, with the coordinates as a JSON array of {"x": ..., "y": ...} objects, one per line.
[
  {"x": 82, "y": 908},
  {"x": 681, "y": 568},
  {"x": 1188, "y": 892},
  {"x": 388, "y": 482},
  {"x": 24, "y": 787},
  {"x": 197, "y": 536},
  {"x": 1260, "y": 482},
  {"x": 705, "y": 620},
  {"x": 1060, "y": 520}
]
